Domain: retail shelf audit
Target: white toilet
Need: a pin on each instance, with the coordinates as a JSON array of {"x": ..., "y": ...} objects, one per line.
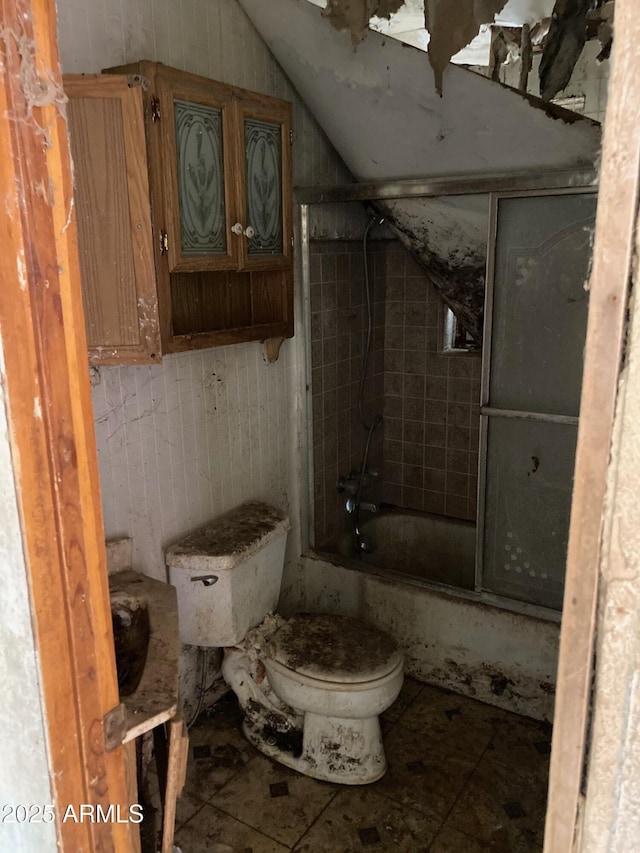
[{"x": 311, "y": 687}]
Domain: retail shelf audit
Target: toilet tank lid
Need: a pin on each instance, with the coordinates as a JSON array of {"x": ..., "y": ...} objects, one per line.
[
  {"x": 230, "y": 539},
  {"x": 338, "y": 649}
]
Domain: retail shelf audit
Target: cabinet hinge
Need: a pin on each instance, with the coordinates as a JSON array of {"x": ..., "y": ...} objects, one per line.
[
  {"x": 290, "y": 137},
  {"x": 155, "y": 109},
  {"x": 164, "y": 243},
  {"x": 114, "y": 724},
  {"x": 292, "y": 241}
]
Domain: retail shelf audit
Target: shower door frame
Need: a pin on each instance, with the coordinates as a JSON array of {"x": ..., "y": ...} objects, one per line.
[
  {"x": 486, "y": 411},
  {"x": 515, "y": 184}
]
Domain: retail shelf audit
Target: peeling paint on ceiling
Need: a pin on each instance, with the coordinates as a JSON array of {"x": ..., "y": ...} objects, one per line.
[
  {"x": 387, "y": 123},
  {"x": 453, "y": 26},
  {"x": 563, "y": 45},
  {"x": 354, "y": 15}
]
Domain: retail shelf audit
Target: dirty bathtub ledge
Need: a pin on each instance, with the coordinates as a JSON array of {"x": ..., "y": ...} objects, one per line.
[{"x": 155, "y": 700}]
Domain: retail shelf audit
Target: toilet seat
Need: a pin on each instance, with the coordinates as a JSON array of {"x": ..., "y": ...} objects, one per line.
[
  {"x": 337, "y": 652},
  {"x": 274, "y": 666}
]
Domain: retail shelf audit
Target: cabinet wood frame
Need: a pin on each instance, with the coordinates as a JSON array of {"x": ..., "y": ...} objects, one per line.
[
  {"x": 142, "y": 287},
  {"x": 274, "y": 275}
]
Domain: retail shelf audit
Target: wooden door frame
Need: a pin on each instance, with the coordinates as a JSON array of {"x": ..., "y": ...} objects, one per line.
[
  {"x": 51, "y": 429},
  {"x": 616, "y": 223}
]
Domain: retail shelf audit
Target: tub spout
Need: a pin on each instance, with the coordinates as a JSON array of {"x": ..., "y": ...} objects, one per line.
[{"x": 352, "y": 504}]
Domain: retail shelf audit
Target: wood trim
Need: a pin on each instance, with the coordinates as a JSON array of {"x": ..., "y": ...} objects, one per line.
[
  {"x": 226, "y": 337},
  {"x": 51, "y": 427},
  {"x": 609, "y": 286},
  {"x": 131, "y": 771}
]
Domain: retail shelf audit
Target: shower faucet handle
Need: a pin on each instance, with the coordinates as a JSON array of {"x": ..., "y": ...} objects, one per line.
[{"x": 347, "y": 484}]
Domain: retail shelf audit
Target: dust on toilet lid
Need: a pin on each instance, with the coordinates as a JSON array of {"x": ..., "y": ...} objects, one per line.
[{"x": 334, "y": 648}]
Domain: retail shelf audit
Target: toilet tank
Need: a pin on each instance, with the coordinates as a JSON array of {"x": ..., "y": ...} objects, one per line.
[{"x": 228, "y": 574}]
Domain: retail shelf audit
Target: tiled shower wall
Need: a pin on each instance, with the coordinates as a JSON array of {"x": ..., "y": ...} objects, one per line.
[
  {"x": 338, "y": 335},
  {"x": 431, "y": 400},
  {"x": 429, "y": 457},
  {"x": 181, "y": 442}
]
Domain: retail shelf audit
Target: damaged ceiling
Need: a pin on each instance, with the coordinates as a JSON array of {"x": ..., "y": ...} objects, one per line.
[
  {"x": 453, "y": 26},
  {"x": 479, "y": 32},
  {"x": 386, "y": 124}
]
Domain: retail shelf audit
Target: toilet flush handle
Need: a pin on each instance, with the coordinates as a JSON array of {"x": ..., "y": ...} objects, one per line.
[{"x": 207, "y": 580}]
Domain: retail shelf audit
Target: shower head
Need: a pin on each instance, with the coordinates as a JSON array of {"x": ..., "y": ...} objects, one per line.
[{"x": 376, "y": 219}]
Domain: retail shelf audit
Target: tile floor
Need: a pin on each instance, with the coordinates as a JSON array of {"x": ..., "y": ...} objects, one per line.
[{"x": 463, "y": 777}]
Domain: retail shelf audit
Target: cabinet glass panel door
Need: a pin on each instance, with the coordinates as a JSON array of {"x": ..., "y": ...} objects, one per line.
[
  {"x": 193, "y": 135},
  {"x": 263, "y": 162},
  {"x": 265, "y": 201},
  {"x": 200, "y": 167}
]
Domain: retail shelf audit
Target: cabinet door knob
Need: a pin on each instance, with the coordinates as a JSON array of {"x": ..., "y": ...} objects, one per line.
[
  {"x": 249, "y": 232},
  {"x": 238, "y": 229}
]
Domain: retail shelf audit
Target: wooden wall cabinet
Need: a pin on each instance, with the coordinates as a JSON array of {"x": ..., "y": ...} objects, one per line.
[
  {"x": 111, "y": 193},
  {"x": 218, "y": 163}
]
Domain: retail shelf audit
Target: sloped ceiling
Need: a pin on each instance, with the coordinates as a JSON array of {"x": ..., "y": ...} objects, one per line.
[
  {"x": 378, "y": 106},
  {"x": 408, "y": 25}
]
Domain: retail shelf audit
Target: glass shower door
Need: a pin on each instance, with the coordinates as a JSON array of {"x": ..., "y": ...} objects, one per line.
[{"x": 535, "y": 326}]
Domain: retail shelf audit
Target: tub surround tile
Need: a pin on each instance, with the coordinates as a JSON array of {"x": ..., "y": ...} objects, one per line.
[
  {"x": 338, "y": 336},
  {"x": 450, "y": 385},
  {"x": 456, "y": 506},
  {"x": 361, "y": 819}
]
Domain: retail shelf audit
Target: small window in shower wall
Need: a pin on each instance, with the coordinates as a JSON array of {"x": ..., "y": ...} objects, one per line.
[{"x": 456, "y": 337}]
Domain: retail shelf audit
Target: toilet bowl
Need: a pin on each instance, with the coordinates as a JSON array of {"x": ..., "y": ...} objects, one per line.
[
  {"x": 340, "y": 674},
  {"x": 311, "y": 687}
]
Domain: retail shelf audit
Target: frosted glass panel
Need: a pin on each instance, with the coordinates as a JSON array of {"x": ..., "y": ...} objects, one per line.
[
  {"x": 263, "y": 151},
  {"x": 528, "y": 502},
  {"x": 540, "y": 305},
  {"x": 200, "y": 179}
]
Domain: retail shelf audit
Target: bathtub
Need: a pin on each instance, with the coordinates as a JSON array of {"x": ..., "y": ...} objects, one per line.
[
  {"x": 418, "y": 585},
  {"x": 417, "y": 545}
]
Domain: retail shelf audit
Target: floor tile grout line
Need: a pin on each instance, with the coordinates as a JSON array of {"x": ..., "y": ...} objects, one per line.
[
  {"x": 210, "y": 802},
  {"x": 233, "y": 776},
  {"x": 316, "y": 818},
  {"x": 464, "y": 787},
  {"x": 454, "y": 749},
  {"x": 408, "y": 808},
  {"x": 244, "y": 823},
  {"x": 197, "y": 811}
]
